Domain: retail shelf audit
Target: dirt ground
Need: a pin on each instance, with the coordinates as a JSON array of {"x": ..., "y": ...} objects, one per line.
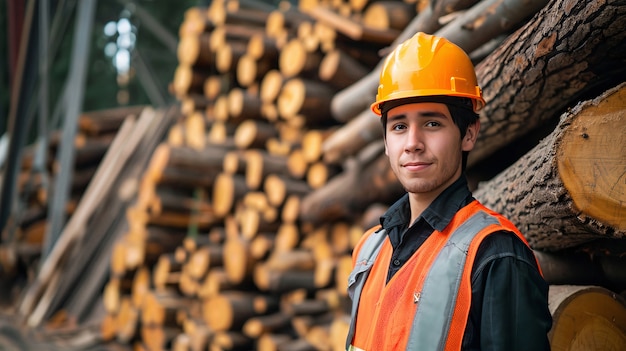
[{"x": 15, "y": 337}]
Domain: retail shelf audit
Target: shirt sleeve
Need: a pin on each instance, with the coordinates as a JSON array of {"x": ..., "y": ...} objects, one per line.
[{"x": 509, "y": 308}]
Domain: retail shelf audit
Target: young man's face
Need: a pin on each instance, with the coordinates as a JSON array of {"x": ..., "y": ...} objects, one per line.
[{"x": 425, "y": 147}]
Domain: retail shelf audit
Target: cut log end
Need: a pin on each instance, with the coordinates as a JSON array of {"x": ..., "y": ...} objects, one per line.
[
  {"x": 592, "y": 159},
  {"x": 223, "y": 194},
  {"x": 292, "y": 58},
  {"x": 217, "y": 312},
  {"x": 587, "y": 318}
]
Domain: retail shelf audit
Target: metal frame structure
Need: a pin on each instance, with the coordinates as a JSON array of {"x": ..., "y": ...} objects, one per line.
[{"x": 36, "y": 40}]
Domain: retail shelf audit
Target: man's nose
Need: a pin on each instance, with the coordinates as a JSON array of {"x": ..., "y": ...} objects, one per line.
[{"x": 414, "y": 140}]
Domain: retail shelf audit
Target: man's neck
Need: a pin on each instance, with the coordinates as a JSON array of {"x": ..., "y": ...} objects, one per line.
[{"x": 419, "y": 202}]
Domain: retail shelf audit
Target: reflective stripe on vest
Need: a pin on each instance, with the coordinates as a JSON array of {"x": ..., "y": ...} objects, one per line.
[
  {"x": 432, "y": 319},
  {"x": 432, "y": 322}
]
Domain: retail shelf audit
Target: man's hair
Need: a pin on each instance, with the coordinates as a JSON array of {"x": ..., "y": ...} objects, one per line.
[{"x": 460, "y": 109}]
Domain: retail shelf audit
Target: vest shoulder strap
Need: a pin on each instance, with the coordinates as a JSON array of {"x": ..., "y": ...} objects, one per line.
[
  {"x": 369, "y": 248},
  {"x": 366, "y": 256}
]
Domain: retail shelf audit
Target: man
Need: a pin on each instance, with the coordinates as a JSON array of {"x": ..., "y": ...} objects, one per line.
[{"x": 441, "y": 272}]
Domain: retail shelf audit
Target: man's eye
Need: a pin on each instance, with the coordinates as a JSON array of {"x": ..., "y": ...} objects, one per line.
[
  {"x": 433, "y": 124},
  {"x": 398, "y": 127}
]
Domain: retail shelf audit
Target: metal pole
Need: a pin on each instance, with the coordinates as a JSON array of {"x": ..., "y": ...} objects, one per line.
[
  {"x": 39, "y": 164},
  {"x": 148, "y": 81},
  {"x": 22, "y": 87},
  {"x": 74, "y": 103}
]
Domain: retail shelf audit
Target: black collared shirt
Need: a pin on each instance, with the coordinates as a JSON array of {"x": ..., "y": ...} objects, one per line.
[{"x": 509, "y": 309}]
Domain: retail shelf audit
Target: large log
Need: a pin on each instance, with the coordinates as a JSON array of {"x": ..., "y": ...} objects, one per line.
[
  {"x": 487, "y": 20},
  {"x": 227, "y": 190},
  {"x": 270, "y": 87},
  {"x": 569, "y": 189},
  {"x": 579, "y": 266},
  {"x": 255, "y": 327},
  {"x": 252, "y": 134},
  {"x": 586, "y": 318},
  {"x": 228, "y": 55},
  {"x": 232, "y": 33},
  {"x": 241, "y": 16},
  {"x": 544, "y": 68}
]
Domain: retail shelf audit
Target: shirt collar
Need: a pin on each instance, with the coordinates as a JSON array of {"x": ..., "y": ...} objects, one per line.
[{"x": 438, "y": 214}]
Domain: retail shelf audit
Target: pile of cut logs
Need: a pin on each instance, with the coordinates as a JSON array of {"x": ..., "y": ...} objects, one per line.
[
  {"x": 39, "y": 167},
  {"x": 246, "y": 214}
]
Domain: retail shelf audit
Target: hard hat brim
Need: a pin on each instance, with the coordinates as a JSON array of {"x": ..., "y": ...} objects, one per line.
[{"x": 477, "y": 101}]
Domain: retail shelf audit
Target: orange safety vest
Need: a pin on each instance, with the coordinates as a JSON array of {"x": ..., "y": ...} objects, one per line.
[{"x": 425, "y": 305}]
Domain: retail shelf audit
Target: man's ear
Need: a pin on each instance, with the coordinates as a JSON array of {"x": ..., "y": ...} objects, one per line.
[{"x": 467, "y": 144}]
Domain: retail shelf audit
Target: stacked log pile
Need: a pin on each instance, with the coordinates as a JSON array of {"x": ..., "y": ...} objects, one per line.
[
  {"x": 216, "y": 255},
  {"x": 96, "y": 131},
  {"x": 70, "y": 279},
  {"x": 246, "y": 214},
  {"x": 24, "y": 236}
]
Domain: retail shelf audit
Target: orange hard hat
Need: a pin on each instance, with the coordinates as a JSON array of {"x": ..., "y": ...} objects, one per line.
[{"x": 426, "y": 65}]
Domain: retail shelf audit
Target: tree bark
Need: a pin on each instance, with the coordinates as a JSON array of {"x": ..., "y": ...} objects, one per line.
[
  {"x": 544, "y": 68},
  {"x": 567, "y": 190}
]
